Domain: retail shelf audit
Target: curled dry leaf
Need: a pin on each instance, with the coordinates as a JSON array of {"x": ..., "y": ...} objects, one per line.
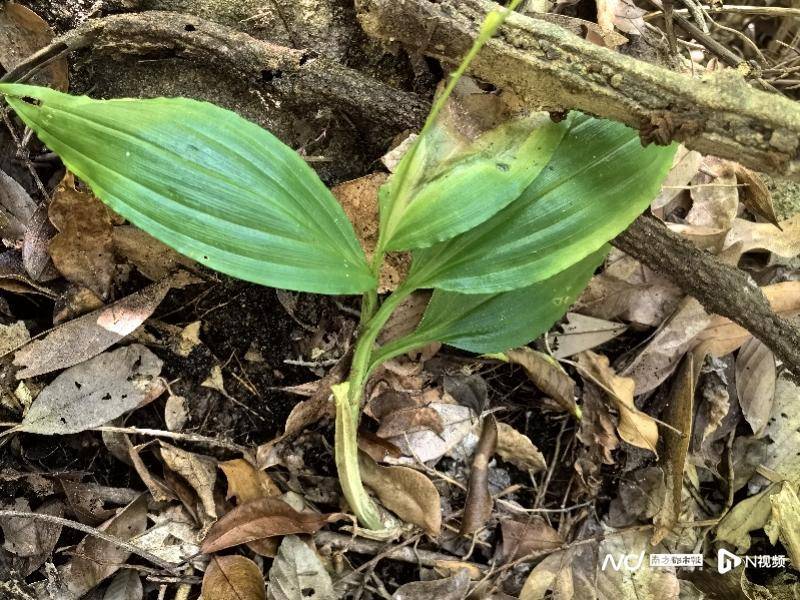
[
  {"x": 126, "y": 585},
  {"x": 635, "y": 427},
  {"x": 406, "y": 492},
  {"x": 582, "y": 332},
  {"x": 95, "y": 392},
  {"x": 756, "y": 375},
  {"x": 89, "y": 335},
  {"x": 233, "y": 578},
  {"x": 297, "y": 573},
  {"x": 16, "y": 209},
  {"x": 198, "y": 470},
  {"x": 518, "y": 449},
  {"x": 23, "y": 33},
  {"x": 97, "y": 559},
  {"x": 449, "y": 588},
  {"x": 82, "y": 251},
  {"x": 266, "y": 517},
  {"x": 755, "y": 194},
  {"x": 478, "y": 504},
  {"x": 524, "y": 537},
  {"x": 547, "y": 375}
]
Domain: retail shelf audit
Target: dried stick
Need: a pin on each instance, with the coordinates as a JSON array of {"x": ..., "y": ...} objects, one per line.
[
  {"x": 553, "y": 69},
  {"x": 722, "y": 289}
]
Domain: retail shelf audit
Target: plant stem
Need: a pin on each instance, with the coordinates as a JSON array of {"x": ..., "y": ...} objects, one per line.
[{"x": 348, "y": 396}]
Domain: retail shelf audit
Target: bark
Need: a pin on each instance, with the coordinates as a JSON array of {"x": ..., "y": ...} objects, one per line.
[
  {"x": 549, "y": 67},
  {"x": 721, "y": 288}
]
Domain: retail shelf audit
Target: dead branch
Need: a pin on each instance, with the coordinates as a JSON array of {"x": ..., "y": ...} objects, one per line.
[
  {"x": 722, "y": 289},
  {"x": 298, "y": 76},
  {"x": 553, "y": 69}
]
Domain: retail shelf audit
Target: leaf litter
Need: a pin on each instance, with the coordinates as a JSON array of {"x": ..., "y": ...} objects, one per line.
[{"x": 516, "y": 473}]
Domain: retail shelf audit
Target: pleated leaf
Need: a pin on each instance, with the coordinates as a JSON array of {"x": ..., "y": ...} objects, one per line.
[
  {"x": 486, "y": 323},
  {"x": 452, "y": 183},
  {"x": 206, "y": 182},
  {"x": 598, "y": 180}
]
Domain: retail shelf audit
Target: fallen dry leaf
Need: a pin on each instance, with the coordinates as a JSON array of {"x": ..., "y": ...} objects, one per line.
[
  {"x": 158, "y": 488},
  {"x": 521, "y": 538},
  {"x": 449, "y": 588},
  {"x": 635, "y": 427},
  {"x": 783, "y": 520},
  {"x": 23, "y": 33},
  {"x": 685, "y": 166},
  {"x": 756, "y": 375},
  {"x": 82, "y": 250},
  {"x": 297, "y": 573},
  {"x": 784, "y": 242},
  {"x": 27, "y": 537},
  {"x": 678, "y": 413},
  {"x": 16, "y": 208},
  {"x": 246, "y": 483},
  {"x": 176, "y": 413},
  {"x": 598, "y": 437},
  {"x": 721, "y": 336},
  {"x": 97, "y": 559},
  {"x": 582, "y": 332},
  {"x": 198, "y": 470},
  {"x": 95, "y": 392},
  {"x": 547, "y": 375},
  {"x": 755, "y": 194},
  {"x": 715, "y": 195},
  {"x": 87, "y": 336},
  {"x": 406, "y": 492},
  {"x": 359, "y": 198},
  {"x": 126, "y": 585},
  {"x": 153, "y": 259},
  {"x": 748, "y": 515},
  {"x": 554, "y": 573},
  {"x": 478, "y": 503},
  {"x": 266, "y": 517},
  {"x": 427, "y": 445},
  {"x": 518, "y": 449},
  {"x": 783, "y": 430},
  {"x": 233, "y": 578}
]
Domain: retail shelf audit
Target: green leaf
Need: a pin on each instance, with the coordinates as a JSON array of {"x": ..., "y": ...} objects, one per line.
[
  {"x": 453, "y": 183},
  {"x": 598, "y": 181},
  {"x": 485, "y": 323},
  {"x": 201, "y": 179}
]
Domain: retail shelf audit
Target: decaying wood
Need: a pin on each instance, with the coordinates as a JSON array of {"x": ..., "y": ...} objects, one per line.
[
  {"x": 551, "y": 68},
  {"x": 296, "y": 75},
  {"x": 722, "y": 289}
]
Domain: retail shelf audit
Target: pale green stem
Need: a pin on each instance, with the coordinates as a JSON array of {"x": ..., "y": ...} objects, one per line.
[{"x": 348, "y": 396}]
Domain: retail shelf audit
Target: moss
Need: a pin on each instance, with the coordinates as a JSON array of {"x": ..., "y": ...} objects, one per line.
[{"x": 785, "y": 196}]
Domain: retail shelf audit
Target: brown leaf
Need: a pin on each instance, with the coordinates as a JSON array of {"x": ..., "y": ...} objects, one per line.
[
  {"x": 755, "y": 195},
  {"x": 81, "y": 339},
  {"x": 547, "y": 375},
  {"x": 16, "y": 207},
  {"x": 406, "y": 492},
  {"x": 28, "y": 537},
  {"x": 478, "y": 504},
  {"x": 97, "y": 559},
  {"x": 247, "y": 483},
  {"x": 678, "y": 413},
  {"x": 722, "y": 337},
  {"x": 518, "y": 449},
  {"x": 359, "y": 198},
  {"x": 406, "y": 317},
  {"x": 685, "y": 166},
  {"x": 449, "y": 588},
  {"x": 95, "y": 392},
  {"x": 715, "y": 195},
  {"x": 153, "y": 259},
  {"x": 262, "y": 518},
  {"x": 661, "y": 355},
  {"x": 233, "y": 578},
  {"x": 521, "y": 538},
  {"x": 24, "y": 32},
  {"x": 582, "y": 332},
  {"x": 158, "y": 488},
  {"x": 756, "y": 375},
  {"x": 83, "y": 250},
  {"x": 377, "y": 448},
  {"x": 126, "y": 585},
  {"x": 410, "y": 420},
  {"x": 198, "y": 470},
  {"x": 635, "y": 427},
  {"x": 35, "y": 246},
  {"x": 765, "y": 236}
]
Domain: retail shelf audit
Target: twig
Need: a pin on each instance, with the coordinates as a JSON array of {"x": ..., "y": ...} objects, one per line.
[
  {"x": 762, "y": 11},
  {"x": 176, "y": 435},
  {"x": 125, "y": 545},
  {"x": 720, "y": 288},
  {"x": 552, "y": 69}
]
